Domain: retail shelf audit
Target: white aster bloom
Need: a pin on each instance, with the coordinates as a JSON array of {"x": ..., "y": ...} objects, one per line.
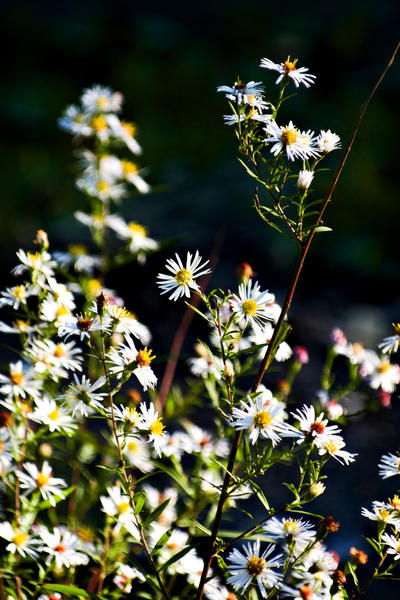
[
  {"x": 292, "y": 531},
  {"x": 61, "y": 545},
  {"x": 101, "y": 189},
  {"x": 316, "y": 427},
  {"x": 118, "y": 505},
  {"x": 385, "y": 375},
  {"x": 244, "y": 567},
  {"x": 136, "y": 452},
  {"x": 182, "y": 281},
  {"x": 124, "y": 131},
  {"x": 82, "y": 325},
  {"x": 393, "y": 545},
  {"x": 135, "y": 235},
  {"x": 20, "y": 542},
  {"x": 20, "y": 381},
  {"x": 204, "y": 366},
  {"x": 201, "y": 441},
  {"x": 263, "y": 420},
  {"x": 99, "y": 99},
  {"x": 124, "y": 577},
  {"x": 40, "y": 263},
  {"x": 41, "y": 480},
  {"x": 153, "y": 424},
  {"x": 289, "y": 69},
  {"x": 246, "y": 93},
  {"x": 296, "y": 143},
  {"x": 54, "y": 417},
  {"x": 75, "y": 121},
  {"x": 127, "y": 359},
  {"x": 263, "y": 335},
  {"x": 383, "y": 513},
  {"x": 334, "y": 447},
  {"x": 6, "y": 448},
  {"x": 391, "y": 344},
  {"x": 82, "y": 395},
  {"x": 389, "y": 465},
  {"x": 17, "y": 295},
  {"x": 328, "y": 141},
  {"x": 304, "y": 180},
  {"x": 61, "y": 294},
  {"x": 250, "y": 304},
  {"x": 123, "y": 321}
]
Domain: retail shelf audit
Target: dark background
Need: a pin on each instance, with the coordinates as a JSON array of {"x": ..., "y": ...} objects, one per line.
[{"x": 167, "y": 59}]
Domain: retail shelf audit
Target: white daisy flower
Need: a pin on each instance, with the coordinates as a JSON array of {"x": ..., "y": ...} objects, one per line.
[
  {"x": 41, "y": 480},
  {"x": 289, "y": 69},
  {"x": 136, "y": 452},
  {"x": 316, "y": 427},
  {"x": 124, "y": 577},
  {"x": 328, "y": 141},
  {"x": 18, "y": 327},
  {"x": 127, "y": 359},
  {"x": 393, "y": 544},
  {"x": 389, "y": 465},
  {"x": 61, "y": 294},
  {"x": 40, "y": 263},
  {"x": 101, "y": 189},
  {"x": 334, "y": 446},
  {"x": 81, "y": 325},
  {"x": 391, "y": 344},
  {"x": 126, "y": 414},
  {"x": 250, "y": 303},
  {"x": 98, "y": 99},
  {"x": 248, "y": 93},
  {"x": 263, "y": 335},
  {"x": 153, "y": 424},
  {"x": 203, "y": 366},
  {"x": 201, "y": 441},
  {"x": 17, "y": 295},
  {"x": 75, "y": 121},
  {"x": 125, "y": 132},
  {"x": 135, "y": 235},
  {"x": 296, "y": 143},
  {"x": 383, "y": 513},
  {"x": 118, "y": 505},
  {"x": 123, "y": 321},
  {"x": 384, "y": 375},
  {"x": 183, "y": 279},
  {"x": 263, "y": 420},
  {"x": 20, "y": 381},
  {"x": 81, "y": 396},
  {"x": 6, "y": 448},
  {"x": 55, "y": 417},
  {"x": 20, "y": 542},
  {"x": 244, "y": 567},
  {"x": 61, "y": 545},
  {"x": 292, "y": 530}
]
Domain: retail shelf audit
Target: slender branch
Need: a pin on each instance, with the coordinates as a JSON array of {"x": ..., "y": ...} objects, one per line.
[
  {"x": 184, "y": 325},
  {"x": 285, "y": 308},
  {"x": 124, "y": 474}
]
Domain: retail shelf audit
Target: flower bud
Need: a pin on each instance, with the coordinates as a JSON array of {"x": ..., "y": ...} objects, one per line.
[
  {"x": 316, "y": 489},
  {"x": 300, "y": 354},
  {"x": 384, "y": 398},
  {"x": 45, "y": 450},
  {"x": 41, "y": 239},
  {"x": 338, "y": 577},
  {"x": 304, "y": 180},
  {"x": 329, "y": 525},
  {"x": 229, "y": 372},
  {"x": 244, "y": 271},
  {"x": 338, "y": 337},
  {"x": 100, "y": 303},
  {"x": 358, "y": 556}
]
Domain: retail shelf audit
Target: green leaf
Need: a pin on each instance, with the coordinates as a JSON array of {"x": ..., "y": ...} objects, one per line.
[
  {"x": 162, "y": 541},
  {"x": 250, "y": 172},
  {"x": 174, "y": 558},
  {"x": 153, "y": 516},
  {"x": 140, "y": 499},
  {"x": 70, "y": 591},
  {"x": 173, "y": 473},
  {"x": 57, "y": 499},
  {"x": 351, "y": 570},
  {"x": 201, "y": 527},
  {"x": 260, "y": 495}
]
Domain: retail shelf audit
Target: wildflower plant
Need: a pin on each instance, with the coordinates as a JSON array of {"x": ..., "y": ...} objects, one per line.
[{"x": 111, "y": 489}]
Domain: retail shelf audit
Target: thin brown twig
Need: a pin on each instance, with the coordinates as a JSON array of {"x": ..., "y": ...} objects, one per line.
[
  {"x": 184, "y": 325},
  {"x": 285, "y": 308}
]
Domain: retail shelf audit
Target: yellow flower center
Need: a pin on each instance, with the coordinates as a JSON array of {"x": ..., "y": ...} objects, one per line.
[
  {"x": 22, "y": 326},
  {"x": 395, "y": 502},
  {"x": 289, "y": 136},
  {"x": 20, "y": 538},
  {"x": 123, "y": 507},
  {"x": 157, "y": 427},
  {"x": 249, "y": 307},
  {"x": 331, "y": 447},
  {"x": 42, "y": 479},
  {"x": 384, "y": 514},
  {"x": 358, "y": 349},
  {"x": 129, "y": 167},
  {"x": 384, "y": 367},
  {"x": 131, "y": 414},
  {"x": 59, "y": 351},
  {"x": 102, "y": 101},
  {"x": 396, "y": 327},
  {"x": 19, "y": 292},
  {"x": 54, "y": 414},
  {"x": 129, "y": 128},
  {"x": 290, "y": 65},
  {"x": 183, "y": 277},
  {"x": 136, "y": 228},
  {"x": 290, "y": 526},
  {"x": 262, "y": 419},
  {"x": 62, "y": 311},
  {"x": 34, "y": 258},
  {"x": 144, "y": 357},
  {"x": 94, "y": 287},
  {"x": 99, "y": 123},
  {"x": 102, "y": 186},
  {"x": 255, "y": 565},
  {"x": 132, "y": 446},
  {"x": 16, "y": 378}
]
